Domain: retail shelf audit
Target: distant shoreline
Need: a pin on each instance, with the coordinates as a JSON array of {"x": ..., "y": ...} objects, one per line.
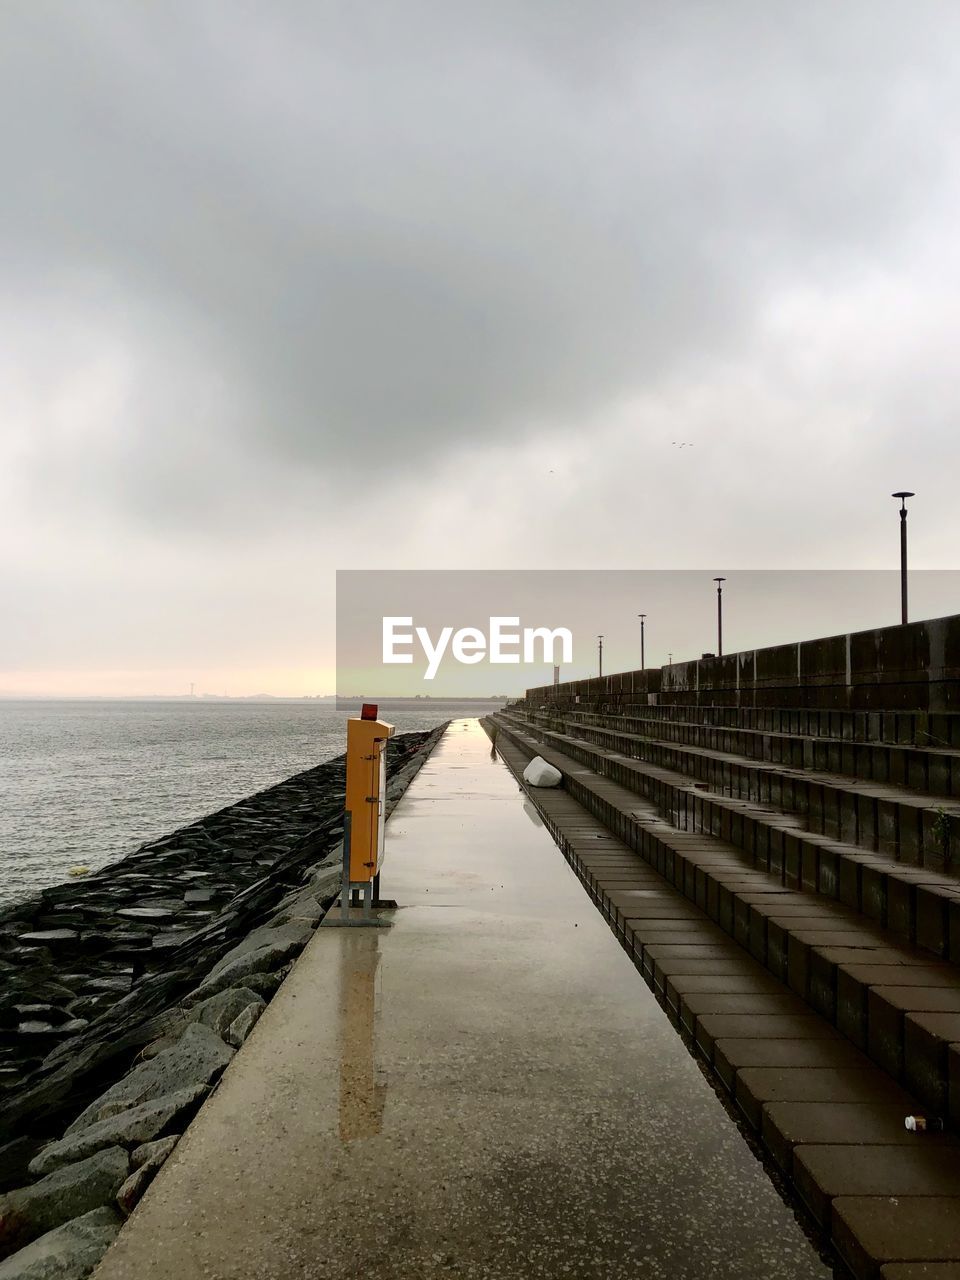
[{"x": 207, "y": 698}]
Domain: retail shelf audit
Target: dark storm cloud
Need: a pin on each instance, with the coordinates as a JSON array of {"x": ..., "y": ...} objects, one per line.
[{"x": 356, "y": 234}]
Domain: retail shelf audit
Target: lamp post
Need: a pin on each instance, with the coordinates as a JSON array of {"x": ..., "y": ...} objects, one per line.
[
  {"x": 719, "y": 582},
  {"x": 643, "y": 663},
  {"x": 669, "y": 659},
  {"x": 600, "y": 649},
  {"x": 902, "y": 494}
]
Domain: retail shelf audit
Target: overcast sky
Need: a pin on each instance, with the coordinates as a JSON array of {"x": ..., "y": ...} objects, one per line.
[{"x": 292, "y": 287}]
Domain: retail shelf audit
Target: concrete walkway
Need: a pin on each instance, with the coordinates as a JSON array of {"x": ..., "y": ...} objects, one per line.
[{"x": 487, "y": 1089}]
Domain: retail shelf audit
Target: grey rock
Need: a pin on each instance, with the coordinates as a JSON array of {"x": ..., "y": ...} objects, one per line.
[
  {"x": 197, "y": 1058},
  {"x": 118, "y": 982},
  {"x": 265, "y": 984},
  {"x": 259, "y": 960},
  {"x": 244, "y": 1023},
  {"x": 133, "y": 1188},
  {"x": 71, "y": 1028},
  {"x": 87, "y": 1007},
  {"x": 236, "y": 974},
  {"x": 154, "y": 1152},
  {"x": 198, "y": 895},
  {"x": 42, "y": 1013},
  {"x": 267, "y": 937},
  {"x": 304, "y": 907},
  {"x": 47, "y": 936},
  {"x": 163, "y": 1043},
  {"x": 129, "y": 1128},
  {"x": 54, "y": 992},
  {"x": 15, "y": 1156},
  {"x": 66, "y": 1193},
  {"x": 145, "y": 913},
  {"x": 219, "y": 1011},
  {"x": 173, "y": 938},
  {"x": 69, "y": 1252}
]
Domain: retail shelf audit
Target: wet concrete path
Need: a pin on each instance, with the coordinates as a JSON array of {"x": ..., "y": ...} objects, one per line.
[{"x": 487, "y": 1089}]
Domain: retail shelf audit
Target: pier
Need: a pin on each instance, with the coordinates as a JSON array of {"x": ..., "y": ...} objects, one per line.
[
  {"x": 487, "y": 1088},
  {"x": 694, "y": 1011}
]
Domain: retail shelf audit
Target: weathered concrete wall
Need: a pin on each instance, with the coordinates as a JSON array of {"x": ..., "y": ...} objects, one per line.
[{"x": 901, "y": 668}]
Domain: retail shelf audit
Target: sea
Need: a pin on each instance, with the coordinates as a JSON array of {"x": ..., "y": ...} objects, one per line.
[{"x": 82, "y": 783}]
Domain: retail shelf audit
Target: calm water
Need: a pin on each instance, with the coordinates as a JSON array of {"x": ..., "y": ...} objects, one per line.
[{"x": 82, "y": 783}]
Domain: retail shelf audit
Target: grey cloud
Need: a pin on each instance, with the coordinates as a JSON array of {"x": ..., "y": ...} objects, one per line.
[{"x": 349, "y": 237}]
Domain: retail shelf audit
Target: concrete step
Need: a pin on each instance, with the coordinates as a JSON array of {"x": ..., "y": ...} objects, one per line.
[
  {"x": 889, "y": 999},
  {"x": 920, "y": 829},
  {"x": 880, "y": 817},
  {"x": 828, "y": 1119},
  {"x": 928, "y": 770},
  {"x": 903, "y": 728},
  {"x": 920, "y": 905}
]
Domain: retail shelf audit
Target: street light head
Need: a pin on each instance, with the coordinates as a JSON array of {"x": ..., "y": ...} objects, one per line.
[
  {"x": 719, "y": 579},
  {"x": 903, "y": 494}
]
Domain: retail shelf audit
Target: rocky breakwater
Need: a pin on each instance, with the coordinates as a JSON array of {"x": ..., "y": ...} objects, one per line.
[{"x": 124, "y": 997}]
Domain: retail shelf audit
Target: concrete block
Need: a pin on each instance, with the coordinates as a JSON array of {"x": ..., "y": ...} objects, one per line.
[
  {"x": 815, "y": 806},
  {"x": 873, "y": 892},
  {"x": 939, "y": 775},
  {"x": 888, "y": 828},
  {"x": 809, "y": 866},
  {"x": 790, "y": 1124},
  {"x": 756, "y": 1086},
  {"x": 828, "y": 873},
  {"x": 822, "y": 985},
  {"x": 757, "y": 939},
  {"x": 848, "y": 881},
  {"x": 911, "y": 841},
  {"x": 901, "y": 907},
  {"x": 932, "y": 920},
  {"x": 747, "y": 983},
  {"x": 953, "y": 1082},
  {"x": 851, "y": 1007},
  {"x": 733, "y": 1026},
  {"x": 926, "y": 1037},
  {"x": 777, "y": 949},
  {"x": 761, "y": 844},
  {"x": 920, "y": 1271},
  {"x": 791, "y": 860},
  {"x": 821, "y": 1173},
  {"x": 867, "y": 822},
  {"x": 885, "y": 1031},
  {"x": 871, "y": 1230},
  {"x": 897, "y": 764},
  {"x": 702, "y": 880},
  {"x": 798, "y": 965},
  {"x": 741, "y": 923},
  {"x": 694, "y": 1005},
  {"x": 848, "y": 816}
]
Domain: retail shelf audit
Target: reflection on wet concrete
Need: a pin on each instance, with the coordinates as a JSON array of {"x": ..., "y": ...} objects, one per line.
[
  {"x": 530, "y": 810},
  {"x": 361, "y": 1096}
]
